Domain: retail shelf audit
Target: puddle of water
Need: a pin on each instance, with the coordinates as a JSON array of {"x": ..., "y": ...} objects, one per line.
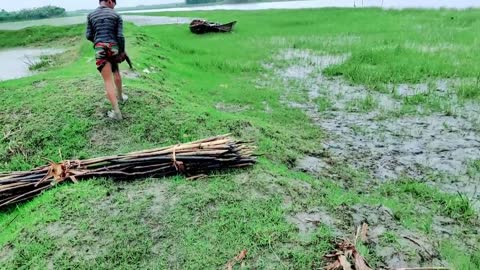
[
  {"x": 398, "y": 4},
  {"x": 440, "y": 87},
  {"x": 136, "y": 19},
  {"x": 19, "y": 60}
]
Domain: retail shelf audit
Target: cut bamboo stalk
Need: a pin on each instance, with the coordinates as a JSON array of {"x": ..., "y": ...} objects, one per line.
[{"x": 193, "y": 160}]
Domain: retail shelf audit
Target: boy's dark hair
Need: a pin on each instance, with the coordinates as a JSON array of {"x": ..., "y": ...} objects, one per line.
[{"x": 114, "y": 1}]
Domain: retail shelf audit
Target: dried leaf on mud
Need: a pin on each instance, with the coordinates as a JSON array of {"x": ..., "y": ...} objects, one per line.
[
  {"x": 346, "y": 253},
  {"x": 236, "y": 259},
  {"x": 363, "y": 234},
  {"x": 341, "y": 263},
  {"x": 344, "y": 262},
  {"x": 334, "y": 266},
  {"x": 359, "y": 261}
]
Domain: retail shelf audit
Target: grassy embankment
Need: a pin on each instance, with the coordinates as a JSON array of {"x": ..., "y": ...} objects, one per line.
[{"x": 175, "y": 223}]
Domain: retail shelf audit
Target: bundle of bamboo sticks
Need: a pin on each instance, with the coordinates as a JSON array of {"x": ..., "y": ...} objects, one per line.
[{"x": 191, "y": 159}]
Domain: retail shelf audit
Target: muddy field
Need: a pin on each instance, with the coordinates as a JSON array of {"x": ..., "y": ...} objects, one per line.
[{"x": 365, "y": 131}]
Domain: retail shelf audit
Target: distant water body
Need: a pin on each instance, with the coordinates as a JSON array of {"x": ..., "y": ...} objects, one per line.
[
  {"x": 144, "y": 20},
  {"x": 136, "y": 19},
  {"x": 19, "y": 60},
  {"x": 388, "y": 4}
]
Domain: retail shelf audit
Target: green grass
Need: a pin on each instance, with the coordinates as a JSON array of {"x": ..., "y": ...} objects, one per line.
[
  {"x": 456, "y": 207},
  {"x": 459, "y": 259},
  {"x": 428, "y": 103},
  {"x": 178, "y": 224},
  {"x": 469, "y": 91},
  {"x": 40, "y": 36},
  {"x": 473, "y": 168},
  {"x": 390, "y": 237},
  {"x": 365, "y": 104},
  {"x": 47, "y": 62},
  {"x": 323, "y": 104}
]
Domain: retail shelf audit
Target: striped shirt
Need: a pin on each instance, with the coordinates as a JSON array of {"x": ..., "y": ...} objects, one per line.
[{"x": 105, "y": 25}]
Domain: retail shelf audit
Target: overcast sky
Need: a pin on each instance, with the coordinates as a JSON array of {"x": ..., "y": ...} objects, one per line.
[{"x": 74, "y": 5}]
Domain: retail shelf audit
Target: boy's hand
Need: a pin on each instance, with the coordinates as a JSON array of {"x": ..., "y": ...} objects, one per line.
[{"x": 121, "y": 57}]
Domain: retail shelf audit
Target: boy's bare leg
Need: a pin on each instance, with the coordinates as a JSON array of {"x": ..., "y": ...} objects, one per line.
[
  {"x": 110, "y": 90},
  {"x": 118, "y": 83}
]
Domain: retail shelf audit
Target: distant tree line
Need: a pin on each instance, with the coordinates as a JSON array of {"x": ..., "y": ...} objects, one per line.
[
  {"x": 32, "y": 14},
  {"x": 195, "y": 2}
]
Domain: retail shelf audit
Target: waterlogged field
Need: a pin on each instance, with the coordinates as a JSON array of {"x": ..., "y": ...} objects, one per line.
[{"x": 361, "y": 116}]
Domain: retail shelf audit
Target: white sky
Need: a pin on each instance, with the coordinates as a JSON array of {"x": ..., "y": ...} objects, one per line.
[{"x": 75, "y": 4}]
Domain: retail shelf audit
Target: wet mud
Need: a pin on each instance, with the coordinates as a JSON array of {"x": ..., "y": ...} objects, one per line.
[
  {"x": 415, "y": 146},
  {"x": 363, "y": 132}
]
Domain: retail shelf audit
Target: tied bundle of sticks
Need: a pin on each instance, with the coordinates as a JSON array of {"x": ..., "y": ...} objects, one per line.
[{"x": 193, "y": 160}]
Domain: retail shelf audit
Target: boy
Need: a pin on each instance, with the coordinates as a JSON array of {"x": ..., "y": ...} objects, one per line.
[{"x": 105, "y": 30}]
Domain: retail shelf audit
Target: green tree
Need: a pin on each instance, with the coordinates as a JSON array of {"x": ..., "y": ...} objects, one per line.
[{"x": 32, "y": 14}]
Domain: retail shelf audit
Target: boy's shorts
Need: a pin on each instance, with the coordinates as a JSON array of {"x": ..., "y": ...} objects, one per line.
[{"x": 106, "y": 52}]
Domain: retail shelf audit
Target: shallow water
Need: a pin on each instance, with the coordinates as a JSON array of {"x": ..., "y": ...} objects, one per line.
[
  {"x": 158, "y": 20},
  {"x": 155, "y": 20},
  {"x": 19, "y": 59},
  {"x": 136, "y": 19},
  {"x": 397, "y": 4}
]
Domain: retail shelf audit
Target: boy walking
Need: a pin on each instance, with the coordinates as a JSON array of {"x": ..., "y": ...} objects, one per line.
[{"x": 105, "y": 30}]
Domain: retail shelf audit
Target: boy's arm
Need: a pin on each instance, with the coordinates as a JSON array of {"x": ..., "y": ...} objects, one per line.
[
  {"x": 89, "y": 34},
  {"x": 120, "y": 37}
]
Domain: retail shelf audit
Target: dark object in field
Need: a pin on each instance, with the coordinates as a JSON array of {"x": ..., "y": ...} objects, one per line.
[
  {"x": 202, "y": 27},
  {"x": 124, "y": 57},
  {"x": 193, "y": 159},
  {"x": 129, "y": 62}
]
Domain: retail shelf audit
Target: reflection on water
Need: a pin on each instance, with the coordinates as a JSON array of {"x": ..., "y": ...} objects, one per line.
[{"x": 15, "y": 62}]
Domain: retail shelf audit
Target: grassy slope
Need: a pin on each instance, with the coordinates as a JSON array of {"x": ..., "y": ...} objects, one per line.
[{"x": 200, "y": 225}]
